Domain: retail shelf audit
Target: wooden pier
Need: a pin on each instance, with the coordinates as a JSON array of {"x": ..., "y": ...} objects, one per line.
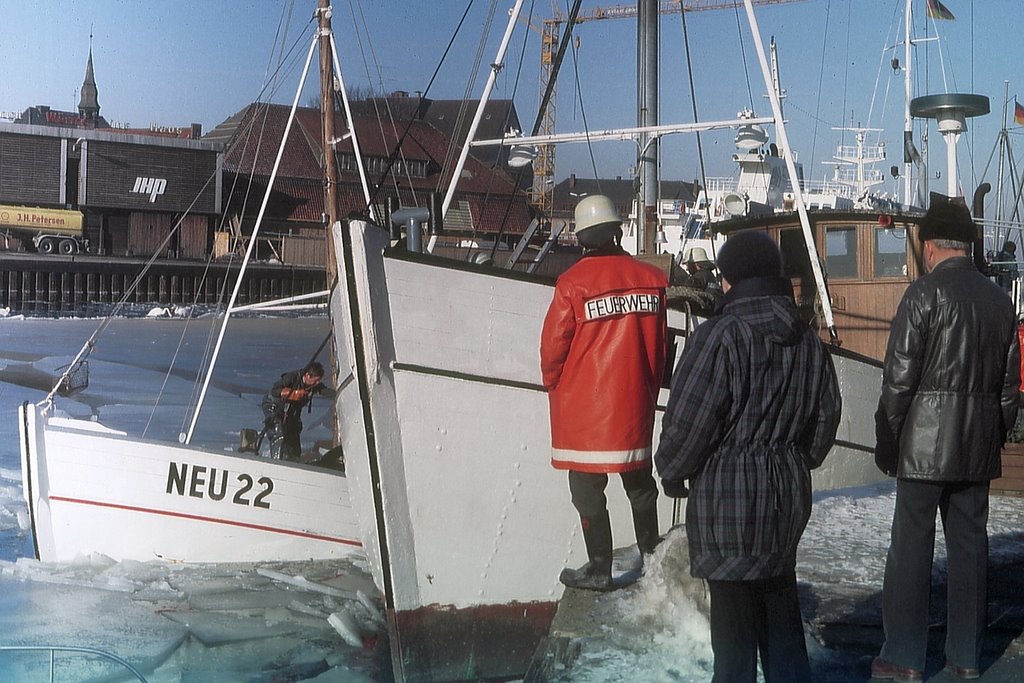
[
  {"x": 1012, "y": 481},
  {"x": 34, "y": 284}
]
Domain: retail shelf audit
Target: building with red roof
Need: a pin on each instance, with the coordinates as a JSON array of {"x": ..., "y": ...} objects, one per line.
[{"x": 406, "y": 160}]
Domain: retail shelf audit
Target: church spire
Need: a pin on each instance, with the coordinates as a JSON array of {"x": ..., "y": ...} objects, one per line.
[{"x": 88, "y": 105}]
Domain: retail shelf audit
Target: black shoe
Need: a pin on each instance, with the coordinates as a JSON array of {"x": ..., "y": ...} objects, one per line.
[
  {"x": 964, "y": 672},
  {"x": 588, "y": 577},
  {"x": 887, "y": 671}
]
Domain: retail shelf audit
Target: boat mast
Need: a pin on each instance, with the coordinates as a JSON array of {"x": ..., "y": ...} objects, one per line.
[
  {"x": 330, "y": 161},
  {"x": 1002, "y": 152},
  {"x": 647, "y": 115},
  {"x": 324, "y": 14},
  {"x": 908, "y": 122}
]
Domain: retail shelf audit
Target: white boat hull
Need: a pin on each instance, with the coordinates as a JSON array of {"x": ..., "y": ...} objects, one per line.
[
  {"x": 447, "y": 442},
  {"x": 91, "y": 489}
]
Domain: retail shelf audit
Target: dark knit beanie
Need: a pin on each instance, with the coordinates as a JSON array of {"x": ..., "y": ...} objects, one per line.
[
  {"x": 947, "y": 219},
  {"x": 749, "y": 254}
]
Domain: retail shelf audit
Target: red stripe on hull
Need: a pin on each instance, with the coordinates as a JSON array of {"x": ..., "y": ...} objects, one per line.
[{"x": 202, "y": 518}]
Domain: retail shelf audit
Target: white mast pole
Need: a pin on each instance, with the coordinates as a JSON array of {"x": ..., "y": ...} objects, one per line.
[
  {"x": 908, "y": 122},
  {"x": 187, "y": 437},
  {"x": 1002, "y": 153},
  {"x": 499, "y": 62},
  {"x": 351, "y": 128},
  {"x": 780, "y": 130}
]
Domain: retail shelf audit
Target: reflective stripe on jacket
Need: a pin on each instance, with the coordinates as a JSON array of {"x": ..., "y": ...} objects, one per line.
[{"x": 602, "y": 357}]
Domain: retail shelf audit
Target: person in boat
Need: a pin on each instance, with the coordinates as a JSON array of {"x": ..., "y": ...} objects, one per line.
[
  {"x": 1006, "y": 265},
  {"x": 950, "y": 385},
  {"x": 700, "y": 269},
  {"x": 282, "y": 408},
  {"x": 753, "y": 408},
  {"x": 602, "y": 356}
]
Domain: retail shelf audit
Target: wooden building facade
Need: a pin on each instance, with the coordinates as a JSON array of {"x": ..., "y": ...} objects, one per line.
[{"x": 130, "y": 189}]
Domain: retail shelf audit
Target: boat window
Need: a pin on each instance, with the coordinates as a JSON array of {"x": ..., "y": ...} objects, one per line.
[
  {"x": 841, "y": 252},
  {"x": 890, "y": 252},
  {"x": 795, "y": 262}
]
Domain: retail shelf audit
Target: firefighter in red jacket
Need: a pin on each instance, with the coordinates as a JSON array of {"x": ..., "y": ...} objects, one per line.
[{"x": 602, "y": 356}]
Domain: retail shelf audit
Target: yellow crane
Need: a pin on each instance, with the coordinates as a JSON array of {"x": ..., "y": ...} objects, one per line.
[{"x": 543, "y": 188}]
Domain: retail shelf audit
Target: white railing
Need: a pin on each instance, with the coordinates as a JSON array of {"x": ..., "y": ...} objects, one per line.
[
  {"x": 721, "y": 184},
  {"x": 84, "y": 651},
  {"x": 869, "y": 153}
]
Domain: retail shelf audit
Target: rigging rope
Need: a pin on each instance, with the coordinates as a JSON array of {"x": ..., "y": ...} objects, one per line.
[
  {"x": 696, "y": 119},
  {"x": 517, "y": 179},
  {"x": 398, "y": 145},
  {"x": 361, "y": 28},
  {"x": 545, "y": 99},
  {"x": 583, "y": 113},
  {"x": 256, "y": 116},
  {"x": 119, "y": 305},
  {"x": 821, "y": 76},
  {"x": 743, "y": 53},
  {"x": 452, "y": 149}
]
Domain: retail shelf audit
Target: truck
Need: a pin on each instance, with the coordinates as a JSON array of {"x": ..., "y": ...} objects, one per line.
[{"x": 49, "y": 231}]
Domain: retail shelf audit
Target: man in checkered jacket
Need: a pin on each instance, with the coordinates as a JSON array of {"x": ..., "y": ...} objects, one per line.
[{"x": 754, "y": 406}]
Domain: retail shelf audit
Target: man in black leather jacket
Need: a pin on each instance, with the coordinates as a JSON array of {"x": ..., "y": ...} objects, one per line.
[{"x": 950, "y": 389}]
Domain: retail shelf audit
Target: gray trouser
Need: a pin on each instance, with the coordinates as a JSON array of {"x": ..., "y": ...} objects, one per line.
[
  {"x": 588, "y": 498},
  {"x": 759, "y": 616},
  {"x": 907, "y": 587}
]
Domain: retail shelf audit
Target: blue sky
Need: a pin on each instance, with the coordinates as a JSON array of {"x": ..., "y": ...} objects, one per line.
[{"x": 176, "y": 62}]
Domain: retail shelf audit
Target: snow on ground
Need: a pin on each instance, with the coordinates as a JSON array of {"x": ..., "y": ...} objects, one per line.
[{"x": 657, "y": 630}]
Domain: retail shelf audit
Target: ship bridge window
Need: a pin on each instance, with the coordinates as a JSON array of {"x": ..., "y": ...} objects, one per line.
[
  {"x": 841, "y": 251},
  {"x": 795, "y": 262},
  {"x": 890, "y": 252}
]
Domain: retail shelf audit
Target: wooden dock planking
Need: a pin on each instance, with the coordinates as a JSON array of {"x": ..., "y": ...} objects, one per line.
[{"x": 52, "y": 285}]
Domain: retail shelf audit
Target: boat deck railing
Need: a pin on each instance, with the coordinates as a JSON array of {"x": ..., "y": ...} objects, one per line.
[
  {"x": 724, "y": 184},
  {"x": 82, "y": 651}
]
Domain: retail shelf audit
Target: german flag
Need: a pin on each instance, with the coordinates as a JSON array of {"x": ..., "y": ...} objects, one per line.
[
  {"x": 936, "y": 10},
  {"x": 1018, "y": 113}
]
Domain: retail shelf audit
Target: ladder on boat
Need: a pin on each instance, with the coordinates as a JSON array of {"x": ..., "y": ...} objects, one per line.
[{"x": 524, "y": 241}]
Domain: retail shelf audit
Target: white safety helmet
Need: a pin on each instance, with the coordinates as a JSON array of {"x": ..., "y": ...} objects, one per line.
[
  {"x": 597, "y": 221},
  {"x": 697, "y": 255}
]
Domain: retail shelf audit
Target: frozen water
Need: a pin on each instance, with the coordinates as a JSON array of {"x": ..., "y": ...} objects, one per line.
[
  {"x": 173, "y": 622},
  {"x": 314, "y": 621}
]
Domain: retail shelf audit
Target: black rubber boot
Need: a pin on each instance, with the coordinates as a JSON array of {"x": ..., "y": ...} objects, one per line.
[
  {"x": 591, "y": 577},
  {"x": 595, "y": 575},
  {"x": 275, "y": 440},
  {"x": 645, "y": 524}
]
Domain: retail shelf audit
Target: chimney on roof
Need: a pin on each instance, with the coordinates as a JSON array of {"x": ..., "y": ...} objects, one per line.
[
  {"x": 197, "y": 131},
  {"x": 618, "y": 177},
  {"x": 572, "y": 181}
]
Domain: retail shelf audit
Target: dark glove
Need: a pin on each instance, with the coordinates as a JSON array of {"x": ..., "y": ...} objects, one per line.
[
  {"x": 885, "y": 460},
  {"x": 887, "y": 447},
  {"x": 674, "y": 489}
]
